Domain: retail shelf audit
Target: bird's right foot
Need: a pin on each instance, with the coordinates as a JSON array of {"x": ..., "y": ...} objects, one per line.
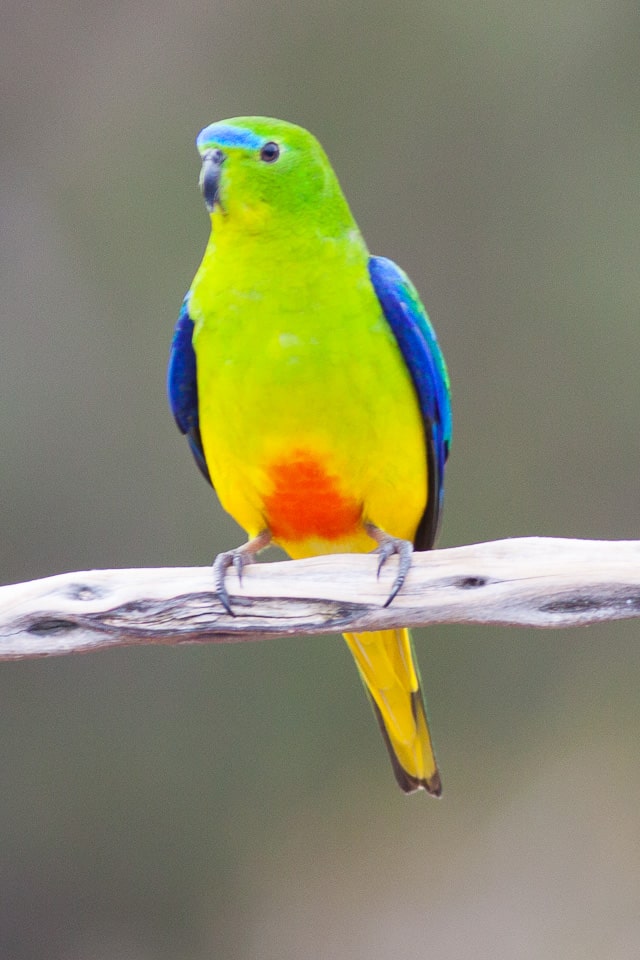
[{"x": 238, "y": 559}]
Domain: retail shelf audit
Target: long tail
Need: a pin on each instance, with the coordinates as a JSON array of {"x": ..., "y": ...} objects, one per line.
[{"x": 387, "y": 666}]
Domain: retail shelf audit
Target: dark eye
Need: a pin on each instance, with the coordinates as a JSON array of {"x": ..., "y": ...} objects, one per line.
[{"x": 270, "y": 152}]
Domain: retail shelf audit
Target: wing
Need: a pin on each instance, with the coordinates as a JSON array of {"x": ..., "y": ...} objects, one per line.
[
  {"x": 417, "y": 341},
  {"x": 182, "y": 386}
]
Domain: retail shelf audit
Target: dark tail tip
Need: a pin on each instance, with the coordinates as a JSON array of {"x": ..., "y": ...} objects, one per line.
[
  {"x": 433, "y": 785},
  {"x": 406, "y": 781},
  {"x": 409, "y": 784}
]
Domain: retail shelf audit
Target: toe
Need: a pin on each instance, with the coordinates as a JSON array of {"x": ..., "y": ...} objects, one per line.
[
  {"x": 238, "y": 559},
  {"x": 387, "y": 547}
]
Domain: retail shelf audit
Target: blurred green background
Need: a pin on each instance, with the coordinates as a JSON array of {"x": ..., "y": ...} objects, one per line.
[{"x": 237, "y": 802}]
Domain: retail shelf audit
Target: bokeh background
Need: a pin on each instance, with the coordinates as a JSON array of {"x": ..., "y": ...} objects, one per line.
[{"x": 237, "y": 802}]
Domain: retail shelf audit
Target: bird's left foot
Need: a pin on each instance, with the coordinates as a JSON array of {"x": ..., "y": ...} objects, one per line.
[
  {"x": 389, "y": 546},
  {"x": 238, "y": 559}
]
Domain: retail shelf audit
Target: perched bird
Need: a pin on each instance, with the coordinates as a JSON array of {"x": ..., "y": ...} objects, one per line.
[{"x": 312, "y": 390}]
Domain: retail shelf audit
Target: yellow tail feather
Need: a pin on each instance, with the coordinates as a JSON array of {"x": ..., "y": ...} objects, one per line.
[{"x": 386, "y": 664}]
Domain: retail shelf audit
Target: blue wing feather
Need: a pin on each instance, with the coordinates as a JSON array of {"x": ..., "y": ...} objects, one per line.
[
  {"x": 182, "y": 386},
  {"x": 419, "y": 347}
]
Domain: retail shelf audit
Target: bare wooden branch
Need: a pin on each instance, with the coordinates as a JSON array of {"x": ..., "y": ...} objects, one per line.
[{"x": 532, "y": 581}]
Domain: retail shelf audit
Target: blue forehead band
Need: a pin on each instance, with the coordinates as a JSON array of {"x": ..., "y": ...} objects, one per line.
[{"x": 224, "y": 135}]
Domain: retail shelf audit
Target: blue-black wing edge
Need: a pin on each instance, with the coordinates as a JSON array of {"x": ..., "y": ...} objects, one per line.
[
  {"x": 421, "y": 352},
  {"x": 182, "y": 386}
]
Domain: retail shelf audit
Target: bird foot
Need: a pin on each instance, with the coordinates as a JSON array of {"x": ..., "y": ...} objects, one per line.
[
  {"x": 238, "y": 559},
  {"x": 389, "y": 546}
]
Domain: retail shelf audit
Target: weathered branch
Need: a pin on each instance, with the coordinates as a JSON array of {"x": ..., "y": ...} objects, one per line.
[{"x": 532, "y": 581}]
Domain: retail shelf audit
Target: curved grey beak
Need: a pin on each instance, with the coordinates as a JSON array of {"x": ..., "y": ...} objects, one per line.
[{"x": 212, "y": 162}]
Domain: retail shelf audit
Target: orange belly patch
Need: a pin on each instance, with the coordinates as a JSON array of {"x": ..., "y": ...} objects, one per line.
[{"x": 307, "y": 502}]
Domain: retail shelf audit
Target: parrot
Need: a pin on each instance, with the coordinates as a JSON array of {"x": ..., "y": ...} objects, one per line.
[{"x": 310, "y": 385}]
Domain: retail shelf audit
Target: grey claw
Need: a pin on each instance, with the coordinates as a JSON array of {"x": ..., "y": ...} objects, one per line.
[
  {"x": 220, "y": 565},
  {"x": 384, "y": 551},
  {"x": 238, "y": 559},
  {"x": 387, "y": 547},
  {"x": 398, "y": 584}
]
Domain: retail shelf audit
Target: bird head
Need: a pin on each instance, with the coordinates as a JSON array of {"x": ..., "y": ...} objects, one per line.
[{"x": 257, "y": 172}]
